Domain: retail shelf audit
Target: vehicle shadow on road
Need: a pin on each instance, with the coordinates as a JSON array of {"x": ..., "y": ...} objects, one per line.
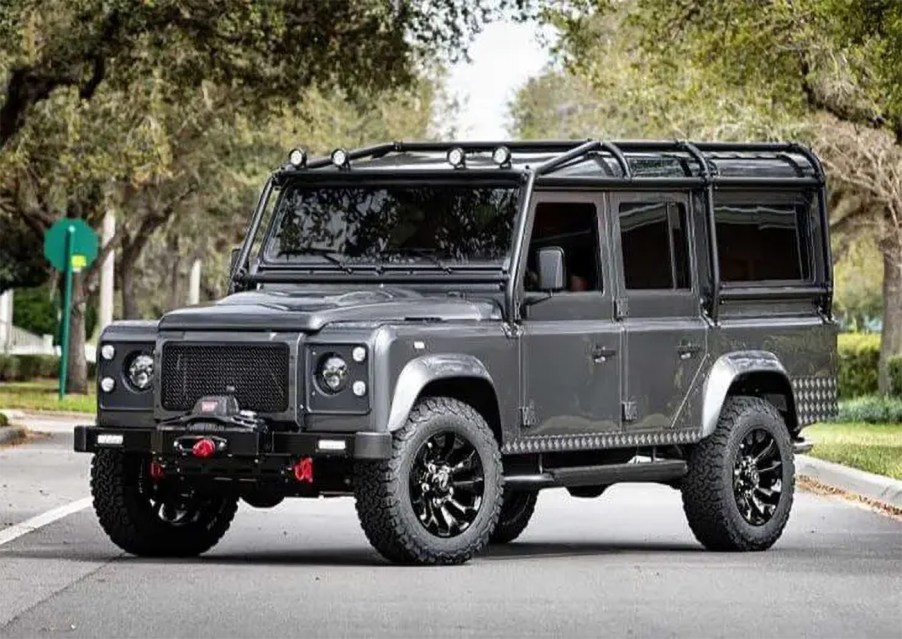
[{"x": 530, "y": 549}]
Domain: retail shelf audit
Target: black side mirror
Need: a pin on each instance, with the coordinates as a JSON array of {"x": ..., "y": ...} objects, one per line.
[{"x": 550, "y": 261}]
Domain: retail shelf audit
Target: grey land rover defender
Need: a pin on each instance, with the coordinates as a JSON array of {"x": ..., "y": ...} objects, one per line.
[{"x": 441, "y": 330}]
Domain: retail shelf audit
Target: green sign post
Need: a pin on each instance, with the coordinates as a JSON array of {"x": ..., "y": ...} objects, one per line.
[{"x": 70, "y": 245}]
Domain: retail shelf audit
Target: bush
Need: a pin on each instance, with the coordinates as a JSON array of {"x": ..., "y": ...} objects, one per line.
[
  {"x": 4, "y": 421},
  {"x": 859, "y": 362},
  {"x": 9, "y": 368},
  {"x": 872, "y": 409},
  {"x": 38, "y": 366}
]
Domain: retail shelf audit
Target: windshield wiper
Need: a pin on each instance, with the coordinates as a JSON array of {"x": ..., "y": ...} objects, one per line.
[
  {"x": 330, "y": 254},
  {"x": 429, "y": 254}
]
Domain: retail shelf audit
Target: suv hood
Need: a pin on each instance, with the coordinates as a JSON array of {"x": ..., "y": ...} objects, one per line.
[{"x": 310, "y": 310}]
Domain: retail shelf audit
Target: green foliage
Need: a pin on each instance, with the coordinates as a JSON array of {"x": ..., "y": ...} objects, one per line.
[
  {"x": 858, "y": 280},
  {"x": 859, "y": 357},
  {"x": 4, "y": 421},
  {"x": 42, "y": 395},
  {"x": 9, "y": 368},
  {"x": 871, "y": 409},
  {"x": 35, "y": 310}
]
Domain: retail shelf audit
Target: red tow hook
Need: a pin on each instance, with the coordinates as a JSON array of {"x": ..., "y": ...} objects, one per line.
[
  {"x": 203, "y": 448},
  {"x": 303, "y": 470},
  {"x": 156, "y": 471}
]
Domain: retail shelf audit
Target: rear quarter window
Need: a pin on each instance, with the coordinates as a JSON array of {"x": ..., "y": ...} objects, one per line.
[{"x": 763, "y": 242}]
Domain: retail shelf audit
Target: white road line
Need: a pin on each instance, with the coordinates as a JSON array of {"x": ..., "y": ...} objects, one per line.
[{"x": 39, "y": 521}]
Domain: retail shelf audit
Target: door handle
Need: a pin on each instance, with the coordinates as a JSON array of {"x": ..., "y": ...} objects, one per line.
[
  {"x": 601, "y": 354},
  {"x": 687, "y": 351}
]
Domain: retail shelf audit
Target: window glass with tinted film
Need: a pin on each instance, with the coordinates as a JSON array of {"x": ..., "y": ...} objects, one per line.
[
  {"x": 573, "y": 227},
  {"x": 762, "y": 242},
  {"x": 655, "y": 244}
]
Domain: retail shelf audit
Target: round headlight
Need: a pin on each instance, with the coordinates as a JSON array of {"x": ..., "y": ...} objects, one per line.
[
  {"x": 108, "y": 351},
  {"x": 333, "y": 373},
  {"x": 140, "y": 371}
]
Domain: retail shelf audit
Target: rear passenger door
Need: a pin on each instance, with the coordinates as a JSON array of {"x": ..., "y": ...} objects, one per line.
[{"x": 658, "y": 307}]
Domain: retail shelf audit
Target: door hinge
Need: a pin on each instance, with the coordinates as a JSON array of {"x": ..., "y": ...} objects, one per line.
[
  {"x": 528, "y": 415},
  {"x": 630, "y": 411},
  {"x": 621, "y": 308}
]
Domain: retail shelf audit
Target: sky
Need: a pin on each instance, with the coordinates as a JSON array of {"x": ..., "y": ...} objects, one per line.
[{"x": 503, "y": 56}]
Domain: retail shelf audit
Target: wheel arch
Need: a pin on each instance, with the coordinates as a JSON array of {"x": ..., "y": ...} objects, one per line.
[
  {"x": 460, "y": 376},
  {"x": 755, "y": 373}
]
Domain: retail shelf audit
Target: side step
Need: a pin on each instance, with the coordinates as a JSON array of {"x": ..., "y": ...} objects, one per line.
[{"x": 658, "y": 471}]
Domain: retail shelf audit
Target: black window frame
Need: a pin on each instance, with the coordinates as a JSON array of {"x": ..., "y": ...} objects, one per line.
[
  {"x": 674, "y": 206},
  {"x": 805, "y": 203}
]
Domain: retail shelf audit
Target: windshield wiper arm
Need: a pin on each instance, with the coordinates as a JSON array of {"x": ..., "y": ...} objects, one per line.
[
  {"x": 429, "y": 254},
  {"x": 330, "y": 254}
]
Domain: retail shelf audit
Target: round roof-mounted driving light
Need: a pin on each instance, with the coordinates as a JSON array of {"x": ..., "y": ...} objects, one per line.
[
  {"x": 108, "y": 352},
  {"x": 457, "y": 158},
  {"x": 340, "y": 158},
  {"x": 297, "y": 158},
  {"x": 502, "y": 156}
]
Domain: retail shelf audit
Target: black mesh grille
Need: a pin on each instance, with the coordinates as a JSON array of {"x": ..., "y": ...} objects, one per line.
[{"x": 256, "y": 374}]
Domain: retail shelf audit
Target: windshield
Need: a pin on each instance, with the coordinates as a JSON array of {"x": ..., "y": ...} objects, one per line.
[{"x": 438, "y": 225}]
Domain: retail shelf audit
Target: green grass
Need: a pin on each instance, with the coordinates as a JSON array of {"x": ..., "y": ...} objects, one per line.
[
  {"x": 875, "y": 448},
  {"x": 42, "y": 395}
]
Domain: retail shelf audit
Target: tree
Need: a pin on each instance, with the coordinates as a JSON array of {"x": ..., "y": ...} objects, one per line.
[
  {"x": 94, "y": 92},
  {"x": 828, "y": 70}
]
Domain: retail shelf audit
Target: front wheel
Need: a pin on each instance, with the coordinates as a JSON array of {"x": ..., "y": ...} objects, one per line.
[
  {"x": 738, "y": 492},
  {"x": 437, "y": 499},
  {"x": 152, "y": 518}
]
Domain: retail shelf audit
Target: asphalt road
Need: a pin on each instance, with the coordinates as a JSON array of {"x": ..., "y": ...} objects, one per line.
[{"x": 623, "y": 565}]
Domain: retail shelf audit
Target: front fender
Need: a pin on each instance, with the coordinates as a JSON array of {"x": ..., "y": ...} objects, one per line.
[
  {"x": 423, "y": 370},
  {"x": 727, "y": 369}
]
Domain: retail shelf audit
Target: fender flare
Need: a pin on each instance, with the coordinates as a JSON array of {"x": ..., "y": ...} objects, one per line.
[
  {"x": 423, "y": 370},
  {"x": 726, "y": 370}
]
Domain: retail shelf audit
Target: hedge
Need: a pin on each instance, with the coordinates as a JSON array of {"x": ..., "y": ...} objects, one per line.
[
  {"x": 23, "y": 368},
  {"x": 894, "y": 370},
  {"x": 872, "y": 409},
  {"x": 859, "y": 361}
]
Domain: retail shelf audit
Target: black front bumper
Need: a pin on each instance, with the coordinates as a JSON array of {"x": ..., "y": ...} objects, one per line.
[{"x": 161, "y": 441}]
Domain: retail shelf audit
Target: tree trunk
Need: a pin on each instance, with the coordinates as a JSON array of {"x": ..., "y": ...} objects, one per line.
[
  {"x": 127, "y": 285},
  {"x": 77, "y": 374},
  {"x": 891, "y": 340}
]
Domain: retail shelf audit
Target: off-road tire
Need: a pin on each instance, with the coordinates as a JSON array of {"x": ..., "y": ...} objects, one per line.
[
  {"x": 516, "y": 511},
  {"x": 708, "y": 495},
  {"x": 126, "y": 516},
  {"x": 382, "y": 489}
]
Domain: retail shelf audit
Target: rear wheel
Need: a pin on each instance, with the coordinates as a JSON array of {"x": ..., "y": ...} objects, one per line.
[
  {"x": 437, "y": 499},
  {"x": 155, "y": 518},
  {"x": 516, "y": 511},
  {"x": 739, "y": 489}
]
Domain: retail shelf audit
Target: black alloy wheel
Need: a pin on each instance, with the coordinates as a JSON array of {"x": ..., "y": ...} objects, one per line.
[
  {"x": 447, "y": 484},
  {"x": 757, "y": 477}
]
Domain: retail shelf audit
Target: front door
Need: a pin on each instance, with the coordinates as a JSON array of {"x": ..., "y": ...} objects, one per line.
[
  {"x": 570, "y": 344},
  {"x": 665, "y": 335}
]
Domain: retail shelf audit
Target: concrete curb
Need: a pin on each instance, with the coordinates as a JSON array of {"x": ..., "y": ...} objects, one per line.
[
  {"x": 876, "y": 487},
  {"x": 11, "y": 434}
]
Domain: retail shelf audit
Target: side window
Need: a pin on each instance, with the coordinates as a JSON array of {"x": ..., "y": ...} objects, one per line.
[
  {"x": 572, "y": 226},
  {"x": 760, "y": 242},
  {"x": 654, "y": 239}
]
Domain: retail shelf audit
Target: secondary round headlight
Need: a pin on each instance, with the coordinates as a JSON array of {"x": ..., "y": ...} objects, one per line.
[
  {"x": 333, "y": 373},
  {"x": 140, "y": 371}
]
